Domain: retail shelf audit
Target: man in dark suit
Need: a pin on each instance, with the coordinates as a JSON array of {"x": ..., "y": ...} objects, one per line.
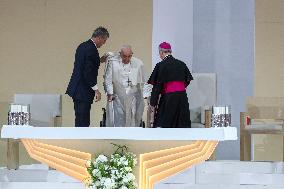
[{"x": 83, "y": 83}]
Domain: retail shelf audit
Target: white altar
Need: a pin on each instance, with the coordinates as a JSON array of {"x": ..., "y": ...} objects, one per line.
[
  {"x": 119, "y": 133},
  {"x": 162, "y": 152}
]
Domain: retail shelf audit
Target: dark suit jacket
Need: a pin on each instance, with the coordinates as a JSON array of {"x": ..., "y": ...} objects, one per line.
[{"x": 85, "y": 72}]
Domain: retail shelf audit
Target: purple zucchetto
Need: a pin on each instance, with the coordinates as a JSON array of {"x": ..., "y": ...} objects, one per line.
[{"x": 165, "y": 46}]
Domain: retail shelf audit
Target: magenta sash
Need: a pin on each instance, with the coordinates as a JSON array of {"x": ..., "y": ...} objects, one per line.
[{"x": 174, "y": 86}]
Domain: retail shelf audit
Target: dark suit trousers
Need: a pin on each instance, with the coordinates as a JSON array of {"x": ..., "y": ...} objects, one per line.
[{"x": 82, "y": 113}]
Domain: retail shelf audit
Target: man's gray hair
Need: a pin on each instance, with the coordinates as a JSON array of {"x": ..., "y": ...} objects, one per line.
[
  {"x": 165, "y": 50},
  {"x": 123, "y": 47},
  {"x": 100, "y": 31}
]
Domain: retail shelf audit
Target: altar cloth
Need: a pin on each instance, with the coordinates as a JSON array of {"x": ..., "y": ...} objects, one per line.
[{"x": 119, "y": 133}]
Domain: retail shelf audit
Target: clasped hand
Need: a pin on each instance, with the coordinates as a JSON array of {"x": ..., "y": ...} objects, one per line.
[
  {"x": 110, "y": 97},
  {"x": 97, "y": 95}
]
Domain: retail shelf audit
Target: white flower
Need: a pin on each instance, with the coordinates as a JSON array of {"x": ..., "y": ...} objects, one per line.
[
  {"x": 97, "y": 183},
  {"x": 125, "y": 180},
  {"x": 119, "y": 174},
  {"x": 114, "y": 172},
  {"x": 128, "y": 169},
  {"x": 103, "y": 179},
  {"x": 92, "y": 187},
  {"x": 109, "y": 183},
  {"x": 88, "y": 163},
  {"x": 126, "y": 163},
  {"x": 95, "y": 172},
  {"x": 101, "y": 158},
  {"x": 130, "y": 176},
  {"x": 117, "y": 170},
  {"x": 89, "y": 181},
  {"x": 122, "y": 159},
  {"x": 135, "y": 161}
]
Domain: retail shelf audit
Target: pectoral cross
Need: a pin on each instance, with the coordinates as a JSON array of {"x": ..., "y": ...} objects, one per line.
[{"x": 128, "y": 82}]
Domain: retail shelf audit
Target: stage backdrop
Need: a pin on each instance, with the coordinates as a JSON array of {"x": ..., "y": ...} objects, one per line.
[{"x": 172, "y": 22}]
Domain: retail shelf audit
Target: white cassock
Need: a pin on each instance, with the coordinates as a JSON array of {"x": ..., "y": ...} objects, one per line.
[{"x": 127, "y": 84}]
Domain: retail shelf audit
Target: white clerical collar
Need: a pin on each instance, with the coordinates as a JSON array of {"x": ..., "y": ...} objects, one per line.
[
  {"x": 168, "y": 55},
  {"x": 94, "y": 42}
]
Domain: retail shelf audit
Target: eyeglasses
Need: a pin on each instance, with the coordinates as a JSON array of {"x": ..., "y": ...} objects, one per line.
[{"x": 125, "y": 56}]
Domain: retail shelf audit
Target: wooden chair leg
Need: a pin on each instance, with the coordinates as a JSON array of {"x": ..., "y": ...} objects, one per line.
[
  {"x": 58, "y": 121},
  {"x": 245, "y": 139},
  {"x": 208, "y": 117},
  {"x": 12, "y": 154},
  {"x": 247, "y": 147},
  {"x": 55, "y": 121}
]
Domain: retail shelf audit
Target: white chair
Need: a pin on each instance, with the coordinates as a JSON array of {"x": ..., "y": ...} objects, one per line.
[
  {"x": 202, "y": 94},
  {"x": 45, "y": 109}
]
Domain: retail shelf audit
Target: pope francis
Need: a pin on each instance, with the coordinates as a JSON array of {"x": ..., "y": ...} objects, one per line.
[{"x": 124, "y": 83}]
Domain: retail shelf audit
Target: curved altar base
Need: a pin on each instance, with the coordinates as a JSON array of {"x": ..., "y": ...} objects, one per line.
[
  {"x": 156, "y": 166},
  {"x": 153, "y": 166},
  {"x": 70, "y": 162},
  {"x": 49, "y": 152}
]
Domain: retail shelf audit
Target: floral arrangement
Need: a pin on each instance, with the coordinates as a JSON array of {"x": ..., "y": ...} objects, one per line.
[{"x": 112, "y": 172}]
